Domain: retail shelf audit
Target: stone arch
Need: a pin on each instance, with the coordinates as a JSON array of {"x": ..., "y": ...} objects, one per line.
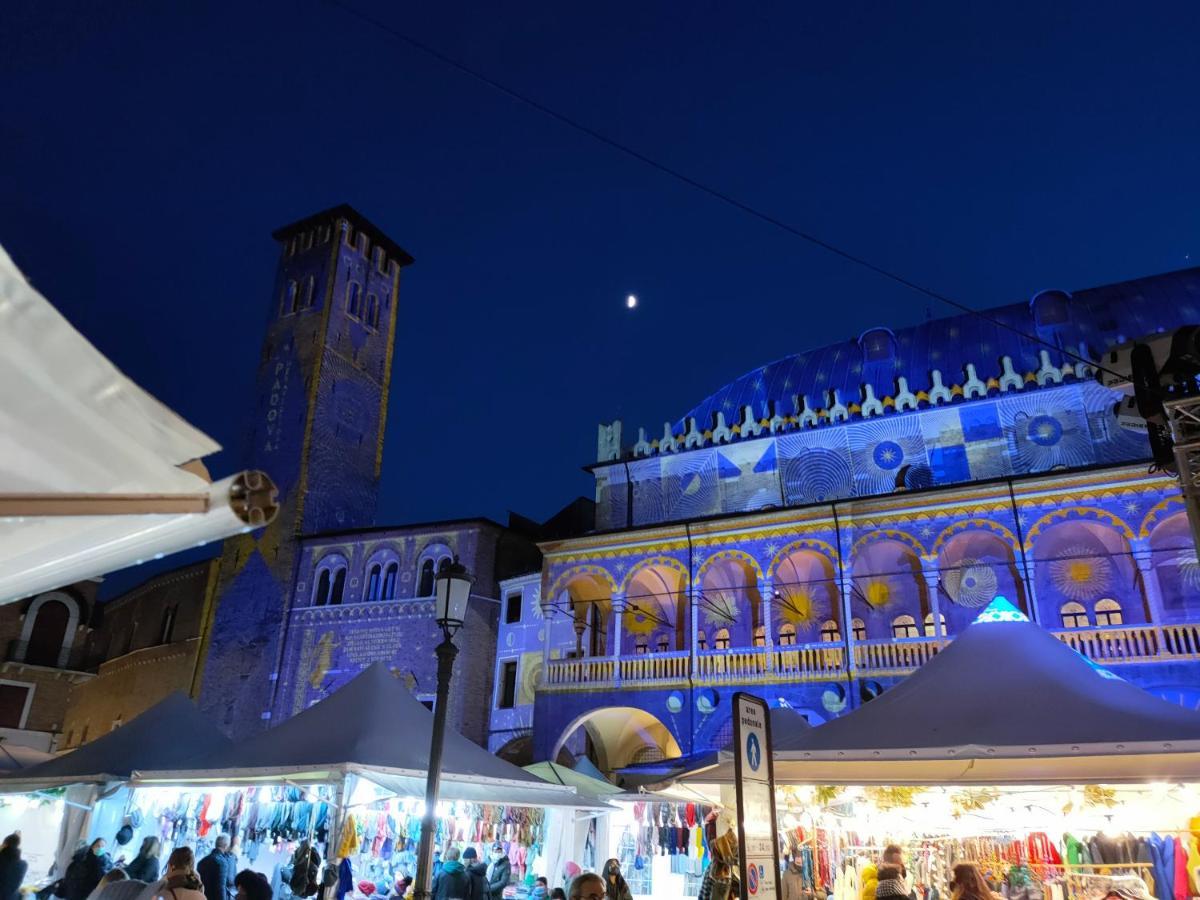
[
  {"x": 655, "y": 606},
  {"x": 813, "y": 544},
  {"x": 1174, "y": 567},
  {"x": 729, "y": 598},
  {"x": 620, "y": 735},
  {"x": 63, "y": 636},
  {"x": 382, "y": 558},
  {"x": 720, "y": 555},
  {"x": 1085, "y": 559},
  {"x": 1077, "y": 513},
  {"x": 975, "y": 565},
  {"x": 326, "y": 574},
  {"x": 888, "y": 580},
  {"x": 975, "y": 523},
  {"x": 805, "y": 593},
  {"x": 588, "y": 602},
  {"x": 664, "y": 562},
  {"x": 433, "y": 556},
  {"x": 1158, "y": 513},
  {"x": 595, "y": 573},
  {"x": 888, "y": 534}
]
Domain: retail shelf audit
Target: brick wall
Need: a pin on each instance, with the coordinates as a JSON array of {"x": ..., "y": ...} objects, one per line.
[{"x": 126, "y": 687}]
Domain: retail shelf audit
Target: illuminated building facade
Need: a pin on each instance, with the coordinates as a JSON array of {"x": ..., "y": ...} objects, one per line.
[{"x": 819, "y": 527}]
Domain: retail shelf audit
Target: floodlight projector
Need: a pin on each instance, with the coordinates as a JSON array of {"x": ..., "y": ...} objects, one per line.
[
  {"x": 1149, "y": 371},
  {"x": 1171, "y": 358}
]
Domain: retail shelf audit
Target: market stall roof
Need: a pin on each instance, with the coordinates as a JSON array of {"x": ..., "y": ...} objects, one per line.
[
  {"x": 17, "y": 756},
  {"x": 1004, "y": 702},
  {"x": 787, "y": 727},
  {"x": 171, "y": 733},
  {"x": 585, "y": 785},
  {"x": 372, "y": 727},
  {"x": 92, "y": 475}
]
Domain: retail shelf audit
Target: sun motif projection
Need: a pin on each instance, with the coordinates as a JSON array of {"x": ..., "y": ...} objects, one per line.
[
  {"x": 877, "y": 592},
  {"x": 720, "y": 607},
  {"x": 971, "y": 583},
  {"x": 1079, "y": 574},
  {"x": 800, "y": 605},
  {"x": 638, "y": 619}
]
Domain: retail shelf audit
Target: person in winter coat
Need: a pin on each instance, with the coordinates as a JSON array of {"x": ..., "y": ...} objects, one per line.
[
  {"x": 890, "y": 885},
  {"x": 792, "y": 887},
  {"x": 86, "y": 870},
  {"x": 453, "y": 882},
  {"x": 499, "y": 871},
  {"x": 181, "y": 881},
  {"x": 719, "y": 882},
  {"x": 12, "y": 868},
  {"x": 615, "y": 886},
  {"x": 144, "y": 866},
  {"x": 478, "y": 872},
  {"x": 218, "y": 870}
]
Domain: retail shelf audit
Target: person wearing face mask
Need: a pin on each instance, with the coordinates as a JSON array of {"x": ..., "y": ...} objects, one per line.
[
  {"x": 86, "y": 870},
  {"x": 499, "y": 871},
  {"x": 615, "y": 886}
]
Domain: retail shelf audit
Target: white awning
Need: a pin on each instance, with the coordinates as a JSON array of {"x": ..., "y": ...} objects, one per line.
[{"x": 92, "y": 475}]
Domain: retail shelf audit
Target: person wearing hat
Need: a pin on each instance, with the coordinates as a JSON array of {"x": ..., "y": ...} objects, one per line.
[
  {"x": 499, "y": 871},
  {"x": 478, "y": 872}
]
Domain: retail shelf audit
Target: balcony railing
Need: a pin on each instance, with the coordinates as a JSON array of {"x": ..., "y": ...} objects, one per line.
[{"x": 827, "y": 661}]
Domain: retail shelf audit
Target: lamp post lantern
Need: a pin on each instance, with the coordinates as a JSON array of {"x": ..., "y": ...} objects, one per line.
[{"x": 452, "y": 591}]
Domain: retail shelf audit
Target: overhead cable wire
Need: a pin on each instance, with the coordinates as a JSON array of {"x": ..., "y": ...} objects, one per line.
[{"x": 711, "y": 191}]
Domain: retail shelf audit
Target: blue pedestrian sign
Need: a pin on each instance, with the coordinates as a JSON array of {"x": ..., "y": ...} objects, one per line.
[{"x": 753, "y": 752}]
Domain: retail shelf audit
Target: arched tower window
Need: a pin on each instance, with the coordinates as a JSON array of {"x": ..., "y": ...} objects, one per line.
[
  {"x": 372, "y": 311},
  {"x": 662, "y": 643},
  {"x": 1074, "y": 615},
  {"x": 287, "y": 303},
  {"x": 904, "y": 627},
  {"x": 306, "y": 295},
  {"x": 321, "y": 597},
  {"x": 929, "y": 629},
  {"x": 425, "y": 587},
  {"x": 760, "y": 636},
  {"x": 339, "y": 586},
  {"x": 787, "y": 634},
  {"x": 721, "y": 639},
  {"x": 48, "y": 634},
  {"x": 829, "y": 632},
  {"x": 701, "y": 641},
  {"x": 354, "y": 300},
  {"x": 1108, "y": 613},
  {"x": 389, "y": 581},
  {"x": 858, "y": 628},
  {"x": 641, "y": 648},
  {"x": 375, "y": 583}
]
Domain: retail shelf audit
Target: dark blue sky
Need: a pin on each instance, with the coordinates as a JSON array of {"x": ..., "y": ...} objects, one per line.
[{"x": 147, "y": 150}]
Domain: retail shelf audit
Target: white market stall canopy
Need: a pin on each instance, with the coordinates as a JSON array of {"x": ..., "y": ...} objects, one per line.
[
  {"x": 1004, "y": 703},
  {"x": 91, "y": 466},
  {"x": 373, "y": 728},
  {"x": 171, "y": 733}
]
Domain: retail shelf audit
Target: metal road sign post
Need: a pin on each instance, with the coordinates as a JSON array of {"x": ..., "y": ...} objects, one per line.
[{"x": 754, "y": 768}]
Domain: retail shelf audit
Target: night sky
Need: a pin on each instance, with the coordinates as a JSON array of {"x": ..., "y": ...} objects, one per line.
[{"x": 147, "y": 150}]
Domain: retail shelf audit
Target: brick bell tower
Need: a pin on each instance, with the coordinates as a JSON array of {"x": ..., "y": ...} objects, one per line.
[{"x": 320, "y": 408}]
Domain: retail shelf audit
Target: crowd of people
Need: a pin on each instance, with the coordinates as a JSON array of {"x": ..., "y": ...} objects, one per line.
[{"x": 91, "y": 875}]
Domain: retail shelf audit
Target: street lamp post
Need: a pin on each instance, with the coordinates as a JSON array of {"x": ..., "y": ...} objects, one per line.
[{"x": 452, "y": 591}]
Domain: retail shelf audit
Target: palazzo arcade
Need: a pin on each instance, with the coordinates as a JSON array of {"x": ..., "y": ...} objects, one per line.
[{"x": 819, "y": 527}]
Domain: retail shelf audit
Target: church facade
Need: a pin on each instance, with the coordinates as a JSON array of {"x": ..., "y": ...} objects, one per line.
[{"x": 821, "y": 526}]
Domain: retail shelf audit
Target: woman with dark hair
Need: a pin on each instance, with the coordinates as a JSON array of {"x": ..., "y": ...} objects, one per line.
[
  {"x": 615, "y": 887},
  {"x": 968, "y": 883},
  {"x": 86, "y": 870}
]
